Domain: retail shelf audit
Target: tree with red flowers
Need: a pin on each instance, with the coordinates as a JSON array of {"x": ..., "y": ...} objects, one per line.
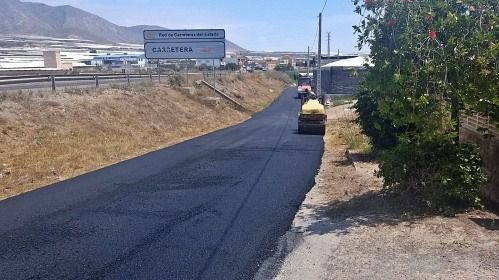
[{"x": 433, "y": 60}]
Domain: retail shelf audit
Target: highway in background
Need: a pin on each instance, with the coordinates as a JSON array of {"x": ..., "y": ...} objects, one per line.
[
  {"x": 209, "y": 208},
  {"x": 70, "y": 84}
]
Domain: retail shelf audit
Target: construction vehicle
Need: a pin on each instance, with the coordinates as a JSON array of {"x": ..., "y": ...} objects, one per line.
[
  {"x": 312, "y": 118},
  {"x": 304, "y": 86}
]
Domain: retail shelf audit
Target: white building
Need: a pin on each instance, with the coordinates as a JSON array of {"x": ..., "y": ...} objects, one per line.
[
  {"x": 52, "y": 59},
  {"x": 142, "y": 61},
  {"x": 208, "y": 62}
]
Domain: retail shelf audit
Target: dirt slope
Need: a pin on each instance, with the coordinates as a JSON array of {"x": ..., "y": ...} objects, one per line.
[{"x": 47, "y": 137}]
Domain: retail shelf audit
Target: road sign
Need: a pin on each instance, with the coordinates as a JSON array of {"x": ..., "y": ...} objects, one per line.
[
  {"x": 184, "y": 44},
  {"x": 184, "y": 35},
  {"x": 184, "y": 50}
]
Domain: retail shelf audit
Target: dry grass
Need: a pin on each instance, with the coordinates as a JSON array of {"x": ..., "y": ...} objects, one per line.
[
  {"x": 350, "y": 131},
  {"x": 48, "y": 137}
]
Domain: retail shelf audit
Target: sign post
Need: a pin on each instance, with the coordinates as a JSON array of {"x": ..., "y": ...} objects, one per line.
[
  {"x": 185, "y": 44},
  {"x": 214, "y": 77},
  {"x": 187, "y": 72}
]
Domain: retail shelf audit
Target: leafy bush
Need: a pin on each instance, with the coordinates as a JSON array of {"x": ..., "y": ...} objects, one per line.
[
  {"x": 445, "y": 176},
  {"x": 284, "y": 67},
  {"x": 381, "y": 131},
  {"x": 430, "y": 61},
  {"x": 279, "y": 76},
  {"x": 232, "y": 67}
]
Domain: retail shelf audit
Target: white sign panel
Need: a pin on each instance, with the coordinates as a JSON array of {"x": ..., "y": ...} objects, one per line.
[
  {"x": 185, "y": 50},
  {"x": 184, "y": 35}
]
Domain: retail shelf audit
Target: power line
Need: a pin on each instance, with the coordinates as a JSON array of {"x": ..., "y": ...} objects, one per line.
[
  {"x": 315, "y": 38},
  {"x": 317, "y": 28},
  {"x": 324, "y": 7}
]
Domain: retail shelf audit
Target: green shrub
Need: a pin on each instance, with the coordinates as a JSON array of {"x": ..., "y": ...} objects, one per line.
[
  {"x": 231, "y": 67},
  {"x": 441, "y": 174},
  {"x": 283, "y": 77},
  {"x": 381, "y": 131},
  {"x": 284, "y": 68}
]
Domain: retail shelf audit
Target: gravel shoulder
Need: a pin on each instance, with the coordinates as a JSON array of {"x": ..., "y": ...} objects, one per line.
[{"x": 346, "y": 229}]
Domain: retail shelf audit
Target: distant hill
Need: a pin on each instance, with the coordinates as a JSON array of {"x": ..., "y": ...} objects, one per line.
[{"x": 27, "y": 18}]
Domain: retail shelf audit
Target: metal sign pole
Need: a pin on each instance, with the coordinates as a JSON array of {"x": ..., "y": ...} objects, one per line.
[
  {"x": 159, "y": 74},
  {"x": 214, "y": 77},
  {"x": 187, "y": 72}
]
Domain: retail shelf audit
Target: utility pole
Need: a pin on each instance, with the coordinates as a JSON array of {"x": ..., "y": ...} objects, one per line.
[
  {"x": 308, "y": 61},
  {"x": 328, "y": 45},
  {"x": 319, "y": 58}
]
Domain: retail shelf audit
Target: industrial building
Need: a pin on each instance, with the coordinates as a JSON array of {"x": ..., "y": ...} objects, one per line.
[
  {"x": 119, "y": 61},
  {"x": 342, "y": 76}
]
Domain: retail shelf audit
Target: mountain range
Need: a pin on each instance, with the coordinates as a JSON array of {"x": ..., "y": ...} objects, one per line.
[{"x": 29, "y": 18}]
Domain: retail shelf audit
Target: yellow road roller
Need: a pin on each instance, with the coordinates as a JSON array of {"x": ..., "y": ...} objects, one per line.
[{"x": 312, "y": 118}]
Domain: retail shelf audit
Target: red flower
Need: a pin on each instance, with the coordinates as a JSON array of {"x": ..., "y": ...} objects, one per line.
[
  {"x": 390, "y": 23},
  {"x": 432, "y": 35}
]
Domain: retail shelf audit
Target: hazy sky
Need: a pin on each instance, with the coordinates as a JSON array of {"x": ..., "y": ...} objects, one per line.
[{"x": 259, "y": 25}]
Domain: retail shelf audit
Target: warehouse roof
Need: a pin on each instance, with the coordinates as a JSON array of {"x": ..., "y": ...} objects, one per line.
[{"x": 357, "y": 62}]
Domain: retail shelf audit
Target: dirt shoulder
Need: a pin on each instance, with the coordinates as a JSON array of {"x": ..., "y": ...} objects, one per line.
[
  {"x": 346, "y": 229},
  {"x": 46, "y": 137}
]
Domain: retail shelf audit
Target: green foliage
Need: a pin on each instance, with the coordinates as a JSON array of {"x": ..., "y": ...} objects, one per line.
[
  {"x": 441, "y": 174},
  {"x": 341, "y": 99},
  {"x": 284, "y": 67},
  {"x": 279, "y": 76},
  {"x": 432, "y": 60},
  {"x": 232, "y": 67},
  {"x": 428, "y": 53},
  {"x": 381, "y": 131},
  {"x": 288, "y": 69}
]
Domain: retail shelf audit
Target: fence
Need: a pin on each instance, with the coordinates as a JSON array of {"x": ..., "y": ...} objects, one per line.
[
  {"x": 478, "y": 123},
  {"x": 53, "y": 80}
]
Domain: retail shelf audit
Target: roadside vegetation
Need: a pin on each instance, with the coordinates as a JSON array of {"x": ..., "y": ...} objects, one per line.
[
  {"x": 351, "y": 133},
  {"x": 46, "y": 137},
  {"x": 348, "y": 227},
  {"x": 342, "y": 99},
  {"x": 433, "y": 60}
]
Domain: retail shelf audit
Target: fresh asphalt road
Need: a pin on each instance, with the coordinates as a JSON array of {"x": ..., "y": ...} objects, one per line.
[{"x": 210, "y": 208}]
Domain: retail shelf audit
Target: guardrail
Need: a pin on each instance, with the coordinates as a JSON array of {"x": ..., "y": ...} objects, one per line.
[
  {"x": 53, "y": 79},
  {"x": 478, "y": 123}
]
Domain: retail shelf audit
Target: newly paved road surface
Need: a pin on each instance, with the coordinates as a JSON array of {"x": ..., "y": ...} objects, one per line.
[{"x": 210, "y": 208}]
